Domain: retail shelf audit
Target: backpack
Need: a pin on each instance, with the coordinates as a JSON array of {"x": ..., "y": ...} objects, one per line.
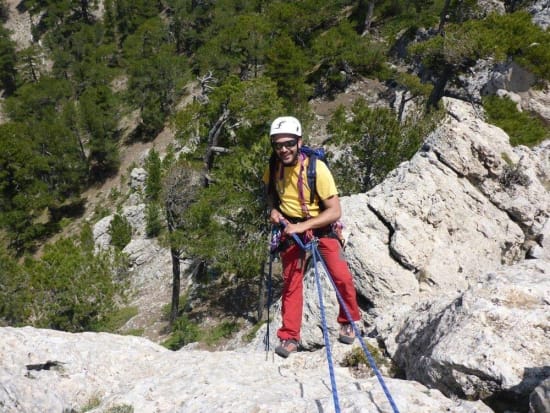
[{"x": 313, "y": 154}]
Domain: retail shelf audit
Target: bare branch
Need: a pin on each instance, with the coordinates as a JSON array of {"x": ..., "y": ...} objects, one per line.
[
  {"x": 219, "y": 149},
  {"x": 213, "y": 137}
]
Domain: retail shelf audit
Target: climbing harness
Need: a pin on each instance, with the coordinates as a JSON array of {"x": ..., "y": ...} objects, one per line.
[{"x": 317, "y": 258}]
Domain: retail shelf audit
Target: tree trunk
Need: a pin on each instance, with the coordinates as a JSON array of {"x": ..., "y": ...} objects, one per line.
[
  {"x": 176, "y": 285},
  {"x": 30, "y": 62},
  {"x": 439, "y": 87},
  {"x": 265, "y": 288},
  {"x": 368, "y": 18},
  {"x": 402, "y": 106},
  {"x": 443, "y": 16},
  {"x": 85, "y": 10},
  {"x": 213, "y": 137}
]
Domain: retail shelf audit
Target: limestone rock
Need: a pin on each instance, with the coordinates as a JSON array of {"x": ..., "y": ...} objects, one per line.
[
  {"x": 102, "y": 237},
  {"x": 539, "y": 401},
  {"x": 491, "y": 339},
  {"x": 540, "y": 10},
  {"x": 138, "y": 178},
  {"x": 52, "y": 371},
  {"x": 135, "y": 214}
]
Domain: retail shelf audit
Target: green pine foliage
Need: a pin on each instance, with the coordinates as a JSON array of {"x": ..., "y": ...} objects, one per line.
[
  {"x": 184, "y": 332},
  {"x": 69, "y": 288},
  {"x": 39, "y": 169},
  {"x": 522, "y": 127},
  {"x": 223, "y": 224},
  {"x": 153, "y": 191},
  {"x": 287, "y": 64},
  {"x": 515, "y": 36},
  {"x": 238, "y": 48},
  {"x": 153, "y": 218},
  {"x": 120, "y": 231},
  {"x": 14, "y": 292},
  {"x": 153, "y": 184},
  {"x": 97, "y": 116},
  {"x": 373, "y": 143},
  {"x": 341, "y": 51},
  {"x": 8, "y": 62}
]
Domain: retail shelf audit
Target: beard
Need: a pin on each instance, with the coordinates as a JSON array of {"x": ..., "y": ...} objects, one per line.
[{"x": 287, "y": 161}]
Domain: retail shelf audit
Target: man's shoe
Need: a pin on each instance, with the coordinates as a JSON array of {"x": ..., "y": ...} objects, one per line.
[
  {"x": 347, "y": 335},
  {"x": 286, "y": 347}
]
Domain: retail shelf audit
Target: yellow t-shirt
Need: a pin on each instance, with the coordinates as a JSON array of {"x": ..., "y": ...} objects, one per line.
[{"x": 287, "y": 188}]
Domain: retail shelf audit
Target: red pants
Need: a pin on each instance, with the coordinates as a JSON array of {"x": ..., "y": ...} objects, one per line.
[{"x": 293, "y": 260}]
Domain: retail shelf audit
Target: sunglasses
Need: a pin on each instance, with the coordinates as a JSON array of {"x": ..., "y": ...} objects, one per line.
[{"x": 287, "y": 144}]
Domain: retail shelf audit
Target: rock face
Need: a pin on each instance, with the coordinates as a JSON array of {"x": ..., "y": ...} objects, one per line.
[
  {"x": 49, "y": 371},
  {"x": 540, "y": 10},
  {"x": 539, "y": 402},
  {"x": 490, "y": 340}
]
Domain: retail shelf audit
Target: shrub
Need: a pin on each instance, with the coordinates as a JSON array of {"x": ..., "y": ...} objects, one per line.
[
  {"x": 513, "y": 175},
  {"x": 153, "y": 220},
  {"x": 153, "y": 184},
  {"x": 69, "y": 288},
  {"x": 374, "y": 142},
  {"x": 118, "y": 318},
  {"x": 522, "y": 127},
  {"x": 357, "y": 359},
  {"x": 120, "y": 408},
  {"x": 184, "y": 332},
  {"x": 220, "y": 331},
  {"x": 120, "y": 231}
]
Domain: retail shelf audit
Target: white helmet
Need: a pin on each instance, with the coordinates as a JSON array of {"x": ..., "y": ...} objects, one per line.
[{"x": 286, "y": 124}]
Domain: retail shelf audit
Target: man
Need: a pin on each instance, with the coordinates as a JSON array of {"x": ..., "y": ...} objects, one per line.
[{"x": 290, "y": 204}]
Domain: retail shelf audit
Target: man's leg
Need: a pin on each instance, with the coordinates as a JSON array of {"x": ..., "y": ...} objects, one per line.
[
  {"x": 336, "y": 263},
  {"x": 293, "y": 260}
]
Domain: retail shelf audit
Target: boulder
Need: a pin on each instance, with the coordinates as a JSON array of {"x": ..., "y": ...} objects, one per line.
[{"x": 490, "y": 341}]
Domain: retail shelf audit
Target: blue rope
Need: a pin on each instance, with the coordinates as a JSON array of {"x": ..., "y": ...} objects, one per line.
[
  {"x": 358, "y": 334},
  {"x": 325, "y": 332},
  {"x": 318, "y": 258}
]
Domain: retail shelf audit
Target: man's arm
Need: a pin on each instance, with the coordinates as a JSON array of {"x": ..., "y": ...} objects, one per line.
[{"x": 274, "y": 214}]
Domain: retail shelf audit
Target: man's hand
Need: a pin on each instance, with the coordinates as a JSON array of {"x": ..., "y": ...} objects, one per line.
[
  {"x": 275, "y": 216},
  {"x": 298, "y": 228}
]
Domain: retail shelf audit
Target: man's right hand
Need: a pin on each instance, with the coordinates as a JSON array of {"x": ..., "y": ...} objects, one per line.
[{"x": 275, "y": 216}]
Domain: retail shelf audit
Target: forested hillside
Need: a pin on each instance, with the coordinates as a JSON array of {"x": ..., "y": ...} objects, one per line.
[{"x": 99, "y": 75}]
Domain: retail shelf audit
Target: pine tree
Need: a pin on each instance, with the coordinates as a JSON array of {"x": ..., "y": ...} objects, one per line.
[{"x": 7, "y": 62}]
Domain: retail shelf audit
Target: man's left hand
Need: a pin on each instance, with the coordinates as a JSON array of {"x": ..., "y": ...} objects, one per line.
[{"x": 297, "y": 228}]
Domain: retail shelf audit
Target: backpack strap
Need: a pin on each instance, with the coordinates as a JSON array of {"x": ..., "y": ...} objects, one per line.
[
  {"x": 312, "y": 177},
  {"x": 313, "y": 154},
  {"x": 302, "y": 157}
]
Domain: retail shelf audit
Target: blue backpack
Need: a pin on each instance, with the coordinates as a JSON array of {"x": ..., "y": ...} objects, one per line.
[{"x": 313, "y": 154}]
